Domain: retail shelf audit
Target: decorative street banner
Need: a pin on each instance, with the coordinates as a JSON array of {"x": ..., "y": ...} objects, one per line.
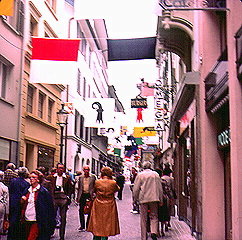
[
  {"x": 99, "y": 112},
  {"x": 131, "y": 49},
  {"x": 144, "y": 132},
  {"x": 6, "y": 7},
  {"x": 54, "y": 60}
]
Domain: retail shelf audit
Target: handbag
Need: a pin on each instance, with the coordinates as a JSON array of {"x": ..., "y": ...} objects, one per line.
[{"x": 88, "y": 206}]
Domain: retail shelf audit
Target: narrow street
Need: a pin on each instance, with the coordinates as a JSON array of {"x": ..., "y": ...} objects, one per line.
[{"x": 129, "y": 224}]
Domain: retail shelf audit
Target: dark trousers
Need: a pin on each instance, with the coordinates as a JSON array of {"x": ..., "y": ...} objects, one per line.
[
  {"x": 62, "y": 204},
  {"x": 120, "y": 193},
  {"x": 99, "y": 238},
  {"x": 82, "y": 203}
]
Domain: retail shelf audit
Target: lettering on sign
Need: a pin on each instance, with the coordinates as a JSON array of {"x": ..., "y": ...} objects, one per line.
[{"x": 139, "y": 103}]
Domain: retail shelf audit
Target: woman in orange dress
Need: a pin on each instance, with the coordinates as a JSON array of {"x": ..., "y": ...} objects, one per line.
[{"x": 104, "y": 214}]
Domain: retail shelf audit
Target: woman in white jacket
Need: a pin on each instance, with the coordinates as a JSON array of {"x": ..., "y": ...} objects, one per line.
[{"x": 4, "y": 205}]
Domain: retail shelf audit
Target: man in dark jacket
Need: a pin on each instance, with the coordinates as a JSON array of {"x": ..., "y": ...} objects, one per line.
[
  {"x": 120, "y": 179},
  {"x": 61, "y": 183},
  {"x": 16, "y": 190}
]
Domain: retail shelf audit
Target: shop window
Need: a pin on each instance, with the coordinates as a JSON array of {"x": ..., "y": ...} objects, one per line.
[
  {"x": 45, "y": 157},
  {"x": 4, "y": 149}
]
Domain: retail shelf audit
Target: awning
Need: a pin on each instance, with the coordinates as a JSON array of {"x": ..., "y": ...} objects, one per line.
[
  {"x": 131, "y": 49},
  {"x": 184, "y": 98}
]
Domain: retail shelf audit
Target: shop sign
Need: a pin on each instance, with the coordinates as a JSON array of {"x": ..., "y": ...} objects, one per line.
[
  {"x": 224, "y": 139},
  {"x": 192, "y": 5},
  {"x": 139, "y": 103}
]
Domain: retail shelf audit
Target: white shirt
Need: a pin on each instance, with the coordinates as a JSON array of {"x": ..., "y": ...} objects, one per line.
[
  {"x": 30, "y": 213},
  {"x": 59, "y": 180}
]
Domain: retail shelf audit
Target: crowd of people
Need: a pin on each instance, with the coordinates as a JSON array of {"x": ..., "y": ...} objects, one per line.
[{"x": 33, "y": 204}]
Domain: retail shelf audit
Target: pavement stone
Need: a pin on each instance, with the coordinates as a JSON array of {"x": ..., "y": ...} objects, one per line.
[{"x": 129, "y": 224}]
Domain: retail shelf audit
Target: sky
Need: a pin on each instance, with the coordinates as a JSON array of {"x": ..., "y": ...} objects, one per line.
[
  {"x": 126, "y": 19},
  {"x": 131, "y": 19}
]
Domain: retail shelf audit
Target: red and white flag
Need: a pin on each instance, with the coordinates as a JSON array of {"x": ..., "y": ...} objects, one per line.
[{"x": 54, "y": 60}]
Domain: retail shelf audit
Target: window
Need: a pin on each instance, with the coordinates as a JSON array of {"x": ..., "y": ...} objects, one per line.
[
  {"x": 3, "y": 79},
  {"x": 40, "y": 105},
  {"x": 33, "y": 29},
  {"x": 17, "y": 20},
  {"x": 84, "y": 88},
  {"x": 50, "y": 109},
  {"x": 79, "y": 82},
  {"x": 4, "y": 149},
  {"x": 52, "y": 4},
  {"x": 80, "y": 34},
  {"x": 79, "y": 125},
  {"x": 30, "y": 97}
]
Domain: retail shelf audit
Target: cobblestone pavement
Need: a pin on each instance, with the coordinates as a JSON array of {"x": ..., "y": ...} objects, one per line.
[{"x": 129, "y": 224}]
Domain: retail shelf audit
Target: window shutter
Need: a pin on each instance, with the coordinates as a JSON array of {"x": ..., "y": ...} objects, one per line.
[{"x": 20, "y": 24}]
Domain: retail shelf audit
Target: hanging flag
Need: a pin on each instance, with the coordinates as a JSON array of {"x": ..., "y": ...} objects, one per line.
[
  {"x": 117, "y": 151},
  {"x": 54, "y": 60},
  {"x": 147, "y": 89},
  {"x": 139, "y": 141},
  {"x": 144, "y": 132},
  {"x": 131, "y": 49},
  {"x": 99, "y": 112},
  {"x": 6, "y": 7},
  {"x": 123, "y": 130}
]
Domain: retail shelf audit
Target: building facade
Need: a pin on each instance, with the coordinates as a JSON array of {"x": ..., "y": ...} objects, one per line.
[
  {"x": 205, "y": 128},
  {"x": 11, "y": 60}
]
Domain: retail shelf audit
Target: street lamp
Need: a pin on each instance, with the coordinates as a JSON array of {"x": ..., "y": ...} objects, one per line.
[{"x": 62, "y": 121}]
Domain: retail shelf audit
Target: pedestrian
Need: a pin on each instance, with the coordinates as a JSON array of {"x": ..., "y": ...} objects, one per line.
[
  {"x": 61, "y": 183},
  {"x": 168, "y": 183},
  {"x": 17, "y": 188},
  {"x": 135, "y": 204},
  {"x": 85, "y": 185},
  {"x": 4, "y": 206},
  {"x": 120, "y": 179},
  {"x": 72, "y": 176},
  {"x": 148, "y": 192},
  {"x": 46, "y": 183},
  {"x": 9, "y": 173},
  {"x": 104, "y": 220},
  {"x": 38, "y": 214}
]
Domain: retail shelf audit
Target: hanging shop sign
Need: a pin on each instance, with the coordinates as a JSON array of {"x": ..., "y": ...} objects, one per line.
[
  {"x": 219, "y": 5},
  {"x": 224, "y": 139},
  {"x": 161, "y": 107},
  {"x": 139, "y": 103}
]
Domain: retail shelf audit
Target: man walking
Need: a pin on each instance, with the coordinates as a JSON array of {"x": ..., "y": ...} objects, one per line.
[
  {"x": 148, "y": 192},
  {"x": 9, "y": 174},
  {"x": 120, "y": 179},
  {"x": 62, "y": 186},
  {"x": 85, "y": 185}
]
